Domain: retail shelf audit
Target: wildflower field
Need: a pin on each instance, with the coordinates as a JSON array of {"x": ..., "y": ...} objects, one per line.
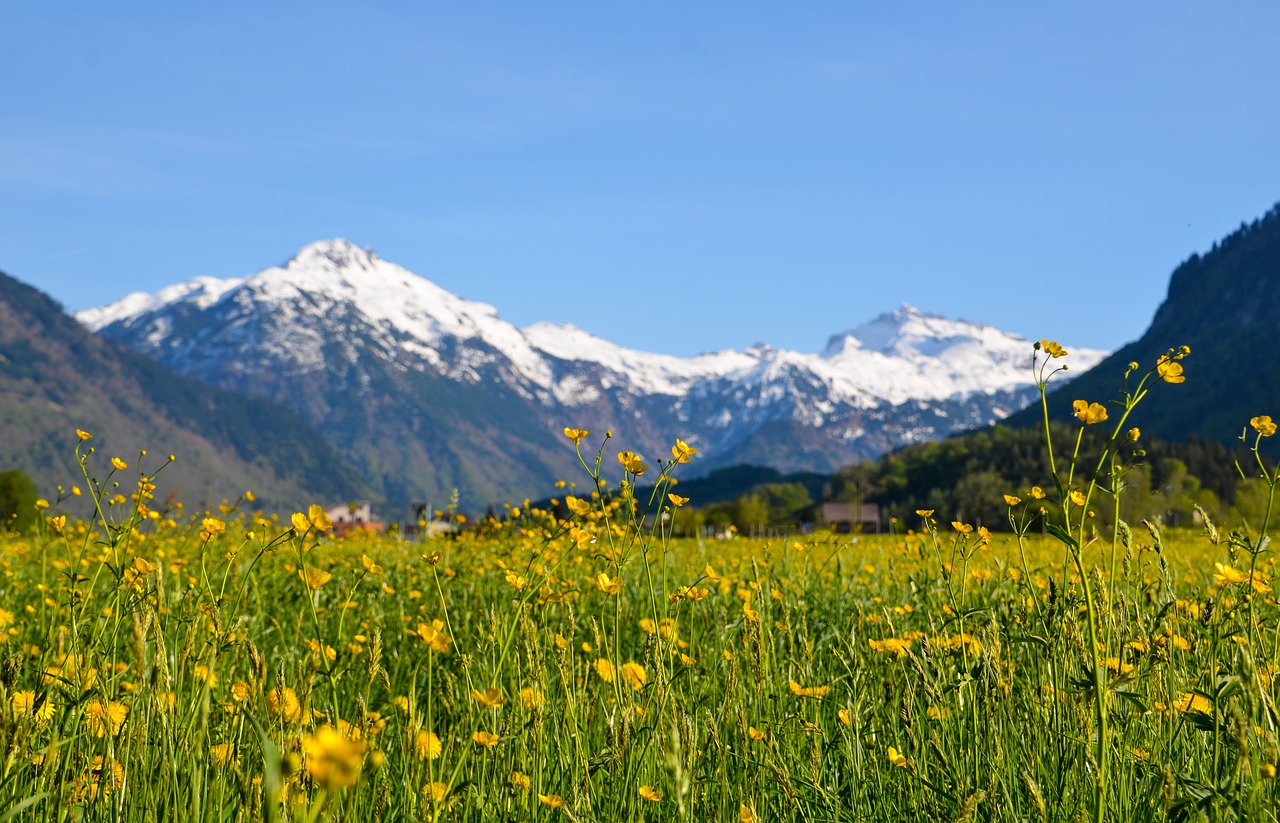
[{"x": 575, "y": 662}]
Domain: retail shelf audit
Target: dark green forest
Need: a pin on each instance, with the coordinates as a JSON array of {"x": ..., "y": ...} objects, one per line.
[{"x": 966, "y": 478}]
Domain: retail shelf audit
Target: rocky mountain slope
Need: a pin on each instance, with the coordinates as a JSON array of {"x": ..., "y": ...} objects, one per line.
[{"x": 55, "y": 377}]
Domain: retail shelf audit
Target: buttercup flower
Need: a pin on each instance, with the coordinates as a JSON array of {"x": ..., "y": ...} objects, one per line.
[
  {"x": 682, "y": 451},
  {"x": 333, "y": 760},
  {"x": 1263, "y": 425},
  {"x": 1169, "y": 371},
  {"x": 1052, "y": 349},
  {"x": 632, "y": 463},
  {"x": 1090, "y": 413},
  {"x": 809, "y": 691}
]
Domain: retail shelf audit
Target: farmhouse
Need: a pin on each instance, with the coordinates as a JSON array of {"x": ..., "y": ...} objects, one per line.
[
  {"x": 357, "y": 515},
  {"x": 848, "y": 517}
]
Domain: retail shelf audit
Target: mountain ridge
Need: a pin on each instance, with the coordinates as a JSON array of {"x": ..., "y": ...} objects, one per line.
[{"x": 369, "y": 351}]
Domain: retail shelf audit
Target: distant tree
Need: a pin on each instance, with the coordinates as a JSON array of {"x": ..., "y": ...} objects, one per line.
[
  {"x": 786, "y": 503},
  {"x": 750, "y": 514},
  {"x": 1250, "y": 504},
  {"x": 687, "y": 522},
  {"x": 17, "y": 501},
  {"x": 979, "y": 498}
]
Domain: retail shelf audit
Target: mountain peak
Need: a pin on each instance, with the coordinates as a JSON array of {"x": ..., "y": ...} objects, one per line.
[
  {"x": 904, "y": 329},
  {"x": 338, "y": 253}
]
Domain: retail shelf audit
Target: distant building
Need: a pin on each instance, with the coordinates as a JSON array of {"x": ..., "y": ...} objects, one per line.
[
  {"x": 423, "y": 522},
  {"x": 847, "y": 517},
  {"x": 350, "y": 517}
]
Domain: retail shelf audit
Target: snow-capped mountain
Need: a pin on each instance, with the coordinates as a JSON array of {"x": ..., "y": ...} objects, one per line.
[{"x": 429, "y": 391}]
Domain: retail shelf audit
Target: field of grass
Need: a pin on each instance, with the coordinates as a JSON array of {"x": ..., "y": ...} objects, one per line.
[{"x": 230, "y": 665}]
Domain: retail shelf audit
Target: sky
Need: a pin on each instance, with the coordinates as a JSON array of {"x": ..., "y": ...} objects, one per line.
[{"x": 676, "y": 178}]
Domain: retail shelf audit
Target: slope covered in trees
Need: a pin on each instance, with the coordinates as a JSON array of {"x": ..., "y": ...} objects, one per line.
[
  {"x": 55, "y": 376},
  {"x": 1225, "y": 305}
]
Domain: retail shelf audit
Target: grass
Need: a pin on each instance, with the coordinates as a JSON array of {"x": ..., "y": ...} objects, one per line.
[{"x": 582, "y": 665}]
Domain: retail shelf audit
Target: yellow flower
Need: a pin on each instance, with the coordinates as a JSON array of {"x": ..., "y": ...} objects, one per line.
[
  {"x": 576, "y": 435},
  {"x": 58, "y": 523},
  {"x": 1012, "y": 499},
  {"x": 282, "y": 702},
  {"x": 1226, "y": 575},
  {"x": 893, "y": 645},
  {"x": 119, "y": 464},
  {"x": 677, "y": 500},
  {"x": 1169, "y": 371},
  {"x": 963, "y": 528},
  {"x": 634, "y": 675},
  {"x": 632, "y": 462},
  {"x": 1263, "y": 425},
  {"x": 83, "y": 435},
  {"x": 1188, "y": 703},
  {"x": 313, "y": 577},
  {"x": 489, "y": 698},
  {"x": 555, "y": 801},
  {"x": 682, "y": 451},
  {"x": 531, "y": 697},
  {"x": 434, "y": 636},
  {"x": 315, "y": 518},
  {"x": 24, "y": 706},
  {"x": 1090, "y": 413},
  {"x": 1037, "y": 493},
  {"x": 318, "y": 518},
  {"x": 809, "y": 691},
  {"x": 1052, "y": 349},
  {"x": 746, "y": 815},
  {"x": 485, "y": 739},
  {"x": 604, "y": 668},
  {"x": 426, "y": 745},
  {"x": 439, "y": 790},
  {"x": 1134, "y": 434},
  {"x": 754, "y": 733},
  {"x": 896, "y": 758},
  {"x": 223, "y": 753},
  {"x": 333, "y": 760},
  {"x": 925, "y": 512},
  {"x": 651, "y": 794},
  {"x": 1077, "y": 497},
  {"x": 608, "y": 585},
  {"x": 519, "y": 781},
  {"x": 104, "y": 717},
  {"x": 211, "y": 527}
]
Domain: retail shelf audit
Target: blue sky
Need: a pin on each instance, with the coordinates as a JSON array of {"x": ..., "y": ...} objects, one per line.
[{"x": 673, "y": 178}]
